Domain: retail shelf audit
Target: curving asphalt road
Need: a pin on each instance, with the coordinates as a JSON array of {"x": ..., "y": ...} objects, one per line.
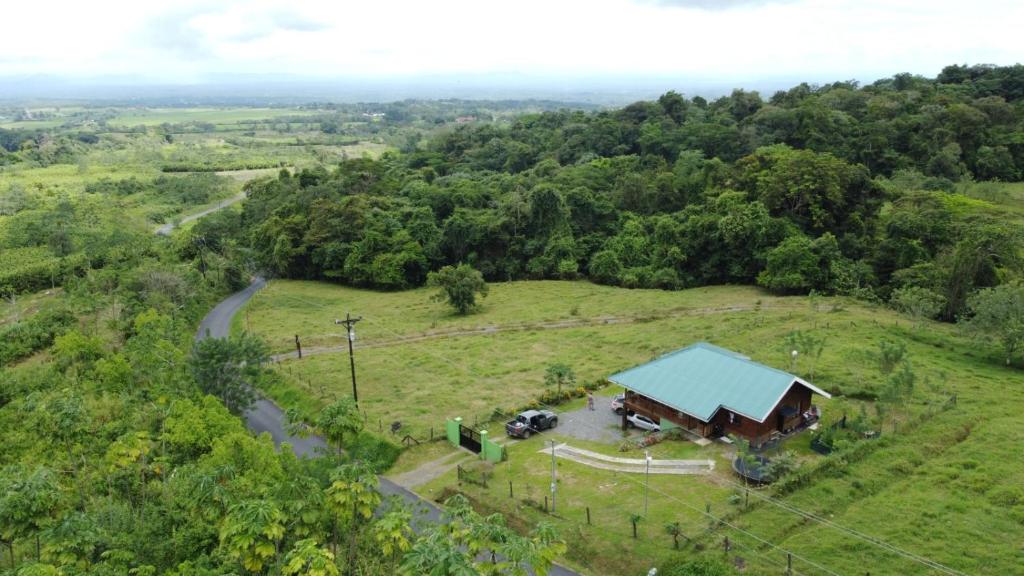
[{"x": 265, "y": 416}]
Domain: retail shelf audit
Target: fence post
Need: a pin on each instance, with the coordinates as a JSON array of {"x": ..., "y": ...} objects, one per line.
[
  {"x": 588, "y": 515},
  {"x": 545, "y": 503},
  {"x": 789, "y": 564},
  {"x": 746, "y": 499},
  {"x": 510, "y": 489},
  {"x": 727, "y": 546}
]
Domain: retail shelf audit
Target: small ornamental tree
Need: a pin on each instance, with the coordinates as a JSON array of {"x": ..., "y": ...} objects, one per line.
[
  {"x": 559, "y": 374},
  {"x": 459, "y": 286}
]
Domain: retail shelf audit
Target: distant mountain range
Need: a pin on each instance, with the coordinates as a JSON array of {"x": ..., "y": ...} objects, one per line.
[{"x": 284, "y": 89}]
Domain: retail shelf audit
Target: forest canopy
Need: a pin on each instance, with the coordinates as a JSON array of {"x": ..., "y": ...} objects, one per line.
[{"x": 838, "y": 188}]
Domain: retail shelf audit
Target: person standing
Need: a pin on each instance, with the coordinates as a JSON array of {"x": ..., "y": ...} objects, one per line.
[{"x": 590, "y": 400}]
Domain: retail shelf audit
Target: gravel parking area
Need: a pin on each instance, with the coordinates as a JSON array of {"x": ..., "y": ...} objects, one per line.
[{"x": 597, "y": 425}]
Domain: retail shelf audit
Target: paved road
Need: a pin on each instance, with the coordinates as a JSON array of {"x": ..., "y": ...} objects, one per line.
[
  {"x": 265, "y": 416},
  {"x": 165, "y": 229}
]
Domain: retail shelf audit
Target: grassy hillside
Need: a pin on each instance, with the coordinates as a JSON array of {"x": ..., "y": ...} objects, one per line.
[{"x": 945, "y": 485}]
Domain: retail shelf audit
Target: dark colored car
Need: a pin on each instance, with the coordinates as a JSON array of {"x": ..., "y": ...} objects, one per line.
[{"x": 531, "y": 422}]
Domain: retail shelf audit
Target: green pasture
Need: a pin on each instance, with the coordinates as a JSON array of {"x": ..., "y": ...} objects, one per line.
[
  {"x": 157, "y": 116},
  {"x": 950, "y": 473}
]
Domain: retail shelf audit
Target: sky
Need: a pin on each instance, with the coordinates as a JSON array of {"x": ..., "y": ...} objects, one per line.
[{"x": 183, "y": 42}]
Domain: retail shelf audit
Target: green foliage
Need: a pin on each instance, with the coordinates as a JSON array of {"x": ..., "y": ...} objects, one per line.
[
  {"x": 890, "y": 355},
  {"x": 999, "y": 313},
  {"x": 681, "y": 566},
  {"x": 799, "y": 265},
  {"x": 21, "y": 339},
  {"x": 558, "y": 375},
  {"x": 251, "y": 532},
  {"x": 459, "y": 286},
  {"x": 920, "y": 303},
  {"x": 307, "y": 558},
  {"x": 228, "y": 368},
  {"x": 340, "y": 420}
]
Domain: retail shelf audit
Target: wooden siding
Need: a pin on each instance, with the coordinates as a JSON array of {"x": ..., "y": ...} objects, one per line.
[{"x": 798, "y": 397}]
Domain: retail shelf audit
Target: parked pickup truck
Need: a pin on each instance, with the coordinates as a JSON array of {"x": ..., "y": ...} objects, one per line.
[{"x": 530, "y": 422}]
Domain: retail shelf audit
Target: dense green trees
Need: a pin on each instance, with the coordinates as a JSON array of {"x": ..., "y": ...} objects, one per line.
[{"x": 787, "y": 192}]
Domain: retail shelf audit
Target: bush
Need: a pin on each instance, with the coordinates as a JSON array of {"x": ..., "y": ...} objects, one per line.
[{"x": 24, "y": 338}]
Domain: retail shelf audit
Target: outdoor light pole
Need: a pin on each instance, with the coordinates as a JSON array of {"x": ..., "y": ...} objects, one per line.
[
  {"x": 793, "y": 355},
  {"x": 350, "y": 329},
  {"x": 553, "y": 476},
  {"x": 647, "y": 479}
]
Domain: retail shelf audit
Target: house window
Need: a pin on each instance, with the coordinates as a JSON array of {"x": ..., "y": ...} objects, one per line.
[{"x": 734, "y": 418}]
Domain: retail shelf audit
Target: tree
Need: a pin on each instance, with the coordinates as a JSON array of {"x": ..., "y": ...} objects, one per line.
[
  {"x": 352, "y": 498},
  {"x": 340, "y": 420},
  {"x": 559, "y": 374},
  {"x": 28, "y": 503},
  {"x": 920, "y": 303},
  {"x": 999, "y": 313},
  {"x": 890, "y": 355},
  {"x": 674, "y": 530},
  {"x": 459, "y": 286},
  {"x": 307, "y": 558},
  {"x": 228, "y": 368},
  {"x": 251, "y": 533}
]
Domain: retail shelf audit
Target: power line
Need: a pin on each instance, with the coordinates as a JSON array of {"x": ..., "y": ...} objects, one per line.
[
  {"x": 788, "y": 507},
  {"x": 852, "y": 532},
  {"x": 722, "y": 521}
]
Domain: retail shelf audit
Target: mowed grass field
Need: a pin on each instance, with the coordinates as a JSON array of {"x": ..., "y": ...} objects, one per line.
[{"x": 949, "y": 486}]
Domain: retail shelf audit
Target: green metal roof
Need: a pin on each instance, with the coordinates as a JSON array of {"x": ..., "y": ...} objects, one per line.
[{"x": 702, "y": 378}]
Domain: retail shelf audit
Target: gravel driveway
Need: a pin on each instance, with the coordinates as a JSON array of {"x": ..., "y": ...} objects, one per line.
[{"x": 597, "y": 425}]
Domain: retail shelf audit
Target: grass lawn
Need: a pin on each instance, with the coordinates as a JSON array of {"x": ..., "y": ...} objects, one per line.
[{"x": 946, "y": 487}]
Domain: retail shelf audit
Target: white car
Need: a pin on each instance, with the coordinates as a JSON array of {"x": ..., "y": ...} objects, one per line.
[{"x": 634, "y": 420}]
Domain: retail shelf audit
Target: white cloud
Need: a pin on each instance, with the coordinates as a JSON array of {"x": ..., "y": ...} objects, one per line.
[{"x": 708, "y": 39}]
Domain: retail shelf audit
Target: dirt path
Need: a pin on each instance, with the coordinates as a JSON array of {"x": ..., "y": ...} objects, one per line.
[
  {"x": 165, "y": 229},
  {"x": 433, "y": 469},
  {"x": 522, "y": 327},
  {"x": 631, "y": 465}
]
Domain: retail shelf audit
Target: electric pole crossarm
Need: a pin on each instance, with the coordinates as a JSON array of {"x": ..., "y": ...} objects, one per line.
[{"x": 350, "y": 324}]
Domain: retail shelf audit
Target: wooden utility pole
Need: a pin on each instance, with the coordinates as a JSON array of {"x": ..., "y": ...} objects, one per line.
[{"x": 350, "y": 323}]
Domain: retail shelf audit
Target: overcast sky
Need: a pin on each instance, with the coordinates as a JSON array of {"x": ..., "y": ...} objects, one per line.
[{"x": 185, "y": 42}]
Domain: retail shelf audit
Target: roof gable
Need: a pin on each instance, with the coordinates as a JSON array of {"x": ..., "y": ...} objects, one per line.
[{"x": 702, "y": 378}]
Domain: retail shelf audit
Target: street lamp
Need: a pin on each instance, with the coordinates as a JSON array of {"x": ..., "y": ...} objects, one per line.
[
  {"x": 350, "y": 327},
  {"x": 793, "y": 355},
  {"x": 554, "y": 481},
  {"x": 647, "y": 479}
]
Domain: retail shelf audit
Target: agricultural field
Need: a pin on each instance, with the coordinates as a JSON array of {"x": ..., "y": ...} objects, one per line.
[
  {"x": 216, "y": 116},
  {"x": 948, "y": 469}
]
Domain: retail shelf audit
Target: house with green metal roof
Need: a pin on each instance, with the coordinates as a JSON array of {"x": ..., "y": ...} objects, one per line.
[{"x": 712, "y": 391}]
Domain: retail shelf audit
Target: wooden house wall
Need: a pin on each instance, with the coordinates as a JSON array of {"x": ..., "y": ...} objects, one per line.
[{"x": 756, "y": 432}]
